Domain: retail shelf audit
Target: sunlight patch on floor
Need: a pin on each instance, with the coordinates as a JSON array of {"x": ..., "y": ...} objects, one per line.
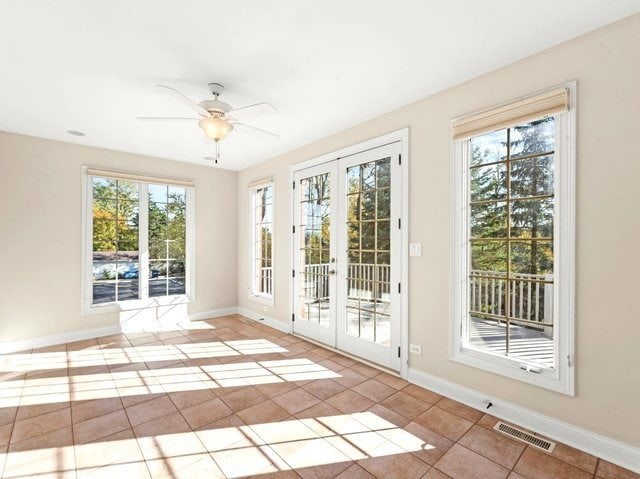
[
  {"x": 105, "y": 355},
  {"x": 30, "y": 392}
]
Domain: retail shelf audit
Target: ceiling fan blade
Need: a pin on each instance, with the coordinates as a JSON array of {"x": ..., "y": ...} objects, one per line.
[
  {"x": 185, "y": 99},
  {"x": 165, "y": 118},
  {"x": 253, "y": 111},
  {"x": 253, "y": 130}
]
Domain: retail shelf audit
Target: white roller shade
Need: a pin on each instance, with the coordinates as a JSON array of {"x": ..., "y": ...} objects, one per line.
[
  {"x": 549, "y": 103},
  {"x": 124, "y": 175}
]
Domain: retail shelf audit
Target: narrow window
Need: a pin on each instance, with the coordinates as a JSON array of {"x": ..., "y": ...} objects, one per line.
[{"x": 262, "y": 242}]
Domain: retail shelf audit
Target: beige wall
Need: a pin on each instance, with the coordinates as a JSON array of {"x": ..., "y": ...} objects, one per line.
[
  {"x": 606, "y": 65},
  {"x": 41, "y": 240}
]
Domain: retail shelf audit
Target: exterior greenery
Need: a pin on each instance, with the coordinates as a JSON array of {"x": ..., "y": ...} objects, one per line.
[{"x": 512, "y": 199}]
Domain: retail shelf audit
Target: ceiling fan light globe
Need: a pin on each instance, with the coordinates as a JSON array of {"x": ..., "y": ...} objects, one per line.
[{"x": 215, "y": 128}]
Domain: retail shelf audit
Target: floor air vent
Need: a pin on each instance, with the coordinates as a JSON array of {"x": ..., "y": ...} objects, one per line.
[{"x": 520, "y": 435}]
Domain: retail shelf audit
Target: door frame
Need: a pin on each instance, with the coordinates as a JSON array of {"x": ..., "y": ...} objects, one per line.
[{"x": 401, "y": 136}]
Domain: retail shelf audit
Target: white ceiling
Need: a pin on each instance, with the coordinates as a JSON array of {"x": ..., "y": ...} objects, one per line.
[{"x": 325, "y": 64}]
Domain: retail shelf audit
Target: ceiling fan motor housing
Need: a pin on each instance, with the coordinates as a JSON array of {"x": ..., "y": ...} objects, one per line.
[{"x": 216, "y": 107}]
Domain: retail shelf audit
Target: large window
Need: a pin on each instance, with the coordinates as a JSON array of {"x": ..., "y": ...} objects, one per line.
[
  {"x": 137, "y": 239},
  {"x": 262, "y": 242},
  {"x": 514, "y": 255}
]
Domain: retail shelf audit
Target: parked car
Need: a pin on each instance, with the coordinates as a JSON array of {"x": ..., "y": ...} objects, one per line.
[{"x": 131, "y": 272}]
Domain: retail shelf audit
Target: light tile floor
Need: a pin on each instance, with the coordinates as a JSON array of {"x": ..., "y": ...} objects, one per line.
[{"x": 233, "y": 398}]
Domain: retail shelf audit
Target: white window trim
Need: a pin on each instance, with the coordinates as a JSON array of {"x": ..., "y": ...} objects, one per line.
[
  {"x": 144, "y": 301},
  {"x": 266, "y": 299},
  {"x": 563, "y": 378}
]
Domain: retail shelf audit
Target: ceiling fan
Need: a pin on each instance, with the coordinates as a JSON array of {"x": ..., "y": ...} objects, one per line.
[{"x": 217, "y": 118}]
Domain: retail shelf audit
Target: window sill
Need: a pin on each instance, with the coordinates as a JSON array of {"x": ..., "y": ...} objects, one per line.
[
  {"x": 556, "y": 380},
  {"x": 118, "y": 307}
]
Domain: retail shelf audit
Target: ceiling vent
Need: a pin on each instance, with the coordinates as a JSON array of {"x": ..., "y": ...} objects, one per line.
[{"x": 523, "y": 436}]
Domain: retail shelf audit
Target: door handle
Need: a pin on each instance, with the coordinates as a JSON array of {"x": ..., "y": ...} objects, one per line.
[{"x": 332, "y": 271}]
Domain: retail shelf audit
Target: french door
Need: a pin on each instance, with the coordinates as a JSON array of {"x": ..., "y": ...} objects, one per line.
[{"x": 348, "y": 254}]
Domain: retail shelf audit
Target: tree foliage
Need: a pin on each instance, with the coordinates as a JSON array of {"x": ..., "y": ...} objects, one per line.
[{"x": 515, "y": 195}]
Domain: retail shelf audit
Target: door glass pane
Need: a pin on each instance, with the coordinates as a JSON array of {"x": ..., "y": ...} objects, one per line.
[
  {"x": 314, "y": 227},
  {"x": 369, "y": 241}
]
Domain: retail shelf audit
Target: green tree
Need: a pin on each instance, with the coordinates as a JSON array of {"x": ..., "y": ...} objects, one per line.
[
  {"x": 532, "y": 218},
  {"x": 488, "y": 210},
  {"x": 115, "y": 215},
  {"x": 530, "y": 148}
]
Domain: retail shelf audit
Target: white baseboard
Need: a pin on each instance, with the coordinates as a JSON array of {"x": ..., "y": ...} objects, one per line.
[
  {"x": 215, "y": 313},
  {"x": 606, "y": 448},
  {"x": 274, "y": 323},
  {"x": 44, "y": 341}
]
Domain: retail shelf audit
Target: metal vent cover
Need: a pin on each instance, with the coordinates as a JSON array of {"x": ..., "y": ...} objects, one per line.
[{"x": 523, "y": 436}]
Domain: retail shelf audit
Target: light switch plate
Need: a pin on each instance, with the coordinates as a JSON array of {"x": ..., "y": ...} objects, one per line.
[{"x": 415, "y": 249}]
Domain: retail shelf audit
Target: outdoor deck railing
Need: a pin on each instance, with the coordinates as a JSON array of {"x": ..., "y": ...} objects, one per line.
[
  {"x": 530, "y": 295},
  {"x": 364, "y": 281},
  {"x": 266, "y": 281}
]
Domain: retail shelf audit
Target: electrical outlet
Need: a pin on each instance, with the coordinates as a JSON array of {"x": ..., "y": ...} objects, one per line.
[
  {"x": 415, "y": 249},
  {"x": 265, "y": 308},
  {"x": 415, "y": 349}
]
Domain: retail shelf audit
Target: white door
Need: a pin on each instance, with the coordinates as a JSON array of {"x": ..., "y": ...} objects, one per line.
[
  {"x": 348, "y": 254},
  {"x": 315, "y": 232}
]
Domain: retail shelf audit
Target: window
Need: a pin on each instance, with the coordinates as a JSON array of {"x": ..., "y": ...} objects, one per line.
[
  {"x": 513, "y": 178},
  {"x": 167, "y": 239},
  {"x": 262, "y": 242},
  {"x": 138, "y": 232}
]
